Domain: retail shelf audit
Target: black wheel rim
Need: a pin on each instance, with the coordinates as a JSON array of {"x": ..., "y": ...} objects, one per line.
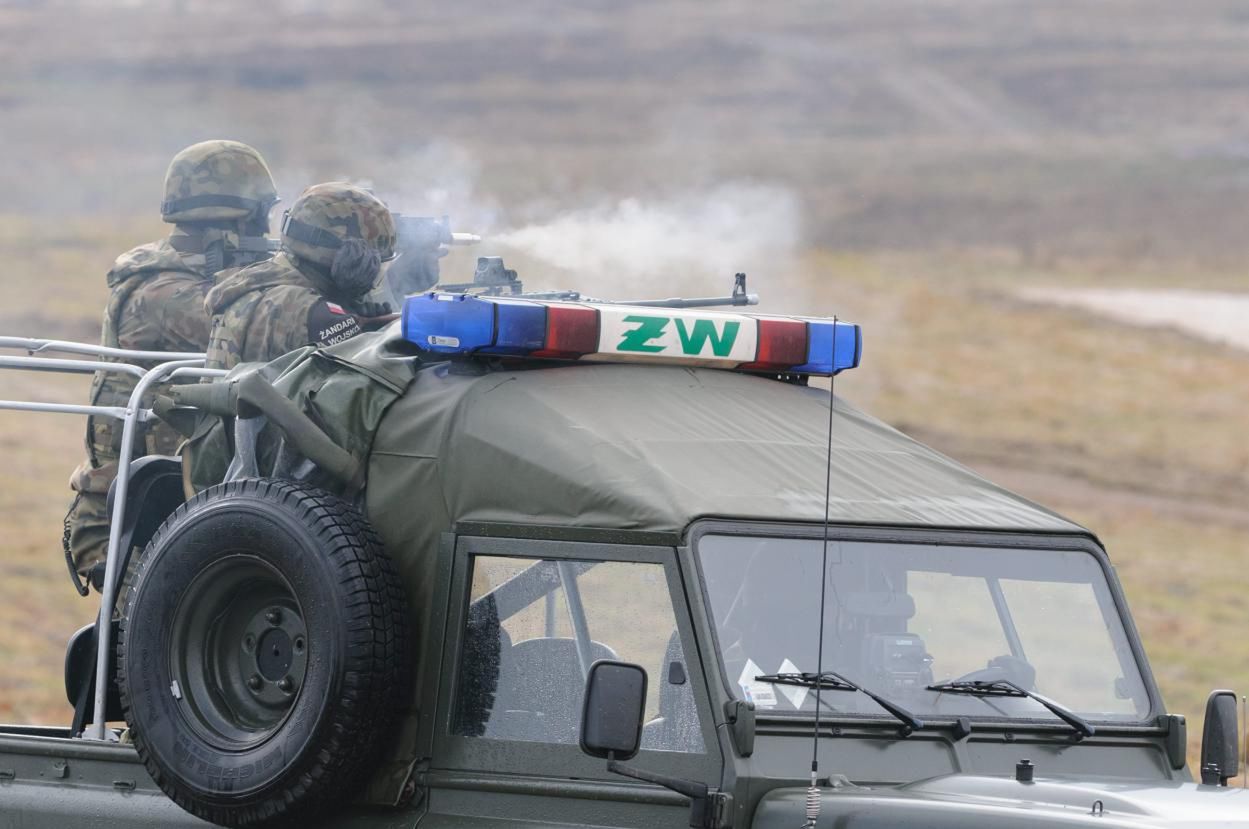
[{"x": 239, "y": 652}]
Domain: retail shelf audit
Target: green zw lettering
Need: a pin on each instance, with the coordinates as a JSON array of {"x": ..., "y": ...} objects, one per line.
[
  {"x": 638, "y": 339},
  {"x": 692, "y": 342}
]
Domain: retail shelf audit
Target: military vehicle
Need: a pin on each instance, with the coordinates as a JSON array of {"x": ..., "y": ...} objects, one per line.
[{"x": 518, "y": 562}]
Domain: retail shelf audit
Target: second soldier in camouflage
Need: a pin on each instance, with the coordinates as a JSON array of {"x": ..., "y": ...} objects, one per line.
[{"x": 334, "y": 240}]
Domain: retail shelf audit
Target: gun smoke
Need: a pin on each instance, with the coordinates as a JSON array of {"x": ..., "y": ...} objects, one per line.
[
  {"x": 688, "y": 243},
  {"x": 688, "y": 240}
]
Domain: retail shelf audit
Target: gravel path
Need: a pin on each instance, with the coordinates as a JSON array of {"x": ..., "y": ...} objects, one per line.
[{"x": 1213, "y": 315}]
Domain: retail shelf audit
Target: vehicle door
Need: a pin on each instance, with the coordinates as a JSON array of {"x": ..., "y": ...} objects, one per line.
[{"x": 527, "y": 618}]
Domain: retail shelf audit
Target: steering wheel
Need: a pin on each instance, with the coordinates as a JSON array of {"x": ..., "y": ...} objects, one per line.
[{"x": 1010, "y": 668}]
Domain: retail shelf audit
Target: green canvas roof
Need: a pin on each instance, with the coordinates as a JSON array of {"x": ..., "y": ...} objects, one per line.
[{"x": 654, "y": 448}]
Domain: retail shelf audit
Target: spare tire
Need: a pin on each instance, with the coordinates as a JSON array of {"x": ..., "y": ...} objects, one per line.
[{"x": 263, "y": 654}]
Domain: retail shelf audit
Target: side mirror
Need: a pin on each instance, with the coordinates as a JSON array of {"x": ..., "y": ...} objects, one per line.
[
  {"x": 615, "y": 702},
  {"x": 1220, "y": 744},
  {"x": 611, "y": 728}
]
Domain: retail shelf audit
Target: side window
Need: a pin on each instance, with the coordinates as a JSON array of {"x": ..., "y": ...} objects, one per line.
[{"x": 534, "y": 626}]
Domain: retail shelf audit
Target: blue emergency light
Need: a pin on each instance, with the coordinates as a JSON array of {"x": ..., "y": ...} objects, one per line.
[{"x": 464, "y": 324}]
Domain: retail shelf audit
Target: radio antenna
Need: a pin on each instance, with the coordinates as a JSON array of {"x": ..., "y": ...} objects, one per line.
[{"x": 813, "y": 792}]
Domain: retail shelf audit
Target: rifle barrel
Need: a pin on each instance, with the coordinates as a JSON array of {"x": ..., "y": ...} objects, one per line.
[{"x": 694, "y": 302}]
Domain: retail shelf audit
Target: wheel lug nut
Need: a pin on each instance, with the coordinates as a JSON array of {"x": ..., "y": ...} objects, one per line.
[
  {"x": 286, "y": 685},
  {"x": 249, "y": 642},
  {"x": 254, "y": 682},
  {"x": 274, "y": 617}
]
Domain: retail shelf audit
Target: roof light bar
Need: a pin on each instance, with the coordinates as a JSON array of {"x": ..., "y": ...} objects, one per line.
[{"x": 453, "y": 324}]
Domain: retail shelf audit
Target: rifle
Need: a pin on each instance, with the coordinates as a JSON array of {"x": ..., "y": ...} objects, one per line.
[
  {"x": 421, "y": 241},
  {"x": 492, "y": 278}
]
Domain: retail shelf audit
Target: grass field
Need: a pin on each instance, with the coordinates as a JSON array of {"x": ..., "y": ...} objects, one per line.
[{"x": 909, "y": 166}]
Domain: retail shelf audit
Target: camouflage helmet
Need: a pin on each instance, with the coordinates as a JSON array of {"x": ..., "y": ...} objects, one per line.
[
  {"x": 217, "y": 180},
  {"x": 326, "y": 215}
]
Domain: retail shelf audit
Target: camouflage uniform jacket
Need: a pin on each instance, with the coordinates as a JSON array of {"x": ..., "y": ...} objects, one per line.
[
  {"x": 271, "y": 308},
  {"x": 156, "y": 303}
]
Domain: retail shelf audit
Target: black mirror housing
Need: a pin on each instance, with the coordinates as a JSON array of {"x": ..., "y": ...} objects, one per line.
[
  {"x": 611, "y": 728},
  {"x": 1220, "y": 741},
  {"x": 611, "y": 717}
]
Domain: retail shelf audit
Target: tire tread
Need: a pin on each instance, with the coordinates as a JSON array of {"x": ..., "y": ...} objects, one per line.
[{"x": 376, "y": 675}]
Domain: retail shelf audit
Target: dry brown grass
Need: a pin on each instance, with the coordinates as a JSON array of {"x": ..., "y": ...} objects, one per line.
[
  {"x": 59, "y": 275},
  {"x": 1103, "y": 130}
]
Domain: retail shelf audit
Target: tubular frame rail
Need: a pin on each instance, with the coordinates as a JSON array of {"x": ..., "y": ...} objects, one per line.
[{"x": 170, "y": 366}]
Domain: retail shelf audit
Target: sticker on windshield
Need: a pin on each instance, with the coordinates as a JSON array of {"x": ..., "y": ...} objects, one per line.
[
  {"x": 760, "y": 693},
  {"x": 796, "y": 694}
]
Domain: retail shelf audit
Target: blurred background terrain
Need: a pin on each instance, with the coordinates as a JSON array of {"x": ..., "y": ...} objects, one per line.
[{"x": 1037, "y": 212}]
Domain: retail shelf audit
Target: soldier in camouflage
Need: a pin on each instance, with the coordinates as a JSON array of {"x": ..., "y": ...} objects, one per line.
[
  {"x": 218, "y": 195},
  {"x": 334, "y": 240}
]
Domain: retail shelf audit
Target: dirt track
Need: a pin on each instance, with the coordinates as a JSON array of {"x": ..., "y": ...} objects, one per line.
[{"x": 1212, "y": 315}]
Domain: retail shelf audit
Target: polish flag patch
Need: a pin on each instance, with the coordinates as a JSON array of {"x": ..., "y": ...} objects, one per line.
[{"x": 337, "y": 309}]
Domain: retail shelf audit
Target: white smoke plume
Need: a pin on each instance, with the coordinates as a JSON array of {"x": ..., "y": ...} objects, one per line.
[
  {"x": 688, "y": 243},
  {"x": 438, "y": 179}
]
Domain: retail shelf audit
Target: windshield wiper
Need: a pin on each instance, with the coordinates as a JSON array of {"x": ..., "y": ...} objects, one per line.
[
  {"x": 1006, "y": 688},
  {"x": 830, "y": 681}
]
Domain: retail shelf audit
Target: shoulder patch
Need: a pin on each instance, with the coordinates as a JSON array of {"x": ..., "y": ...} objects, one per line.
[{"x": 329, "y": 323}]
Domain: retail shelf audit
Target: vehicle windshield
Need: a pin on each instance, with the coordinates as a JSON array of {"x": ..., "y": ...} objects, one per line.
[{"x": 900, "y": 617}]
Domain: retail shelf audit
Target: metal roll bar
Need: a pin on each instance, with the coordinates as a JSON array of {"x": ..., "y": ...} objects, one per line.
[
  {"x": 63, "y": 367},
  {"x": 117, "y": 412},
  {"x": 171, "y": 367},
  {"x": 32, "y": 346},
  {"x": 70, "y": 366},
  {"x": 576, "y": 613},
  {"x": 104, "y": 628}
]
